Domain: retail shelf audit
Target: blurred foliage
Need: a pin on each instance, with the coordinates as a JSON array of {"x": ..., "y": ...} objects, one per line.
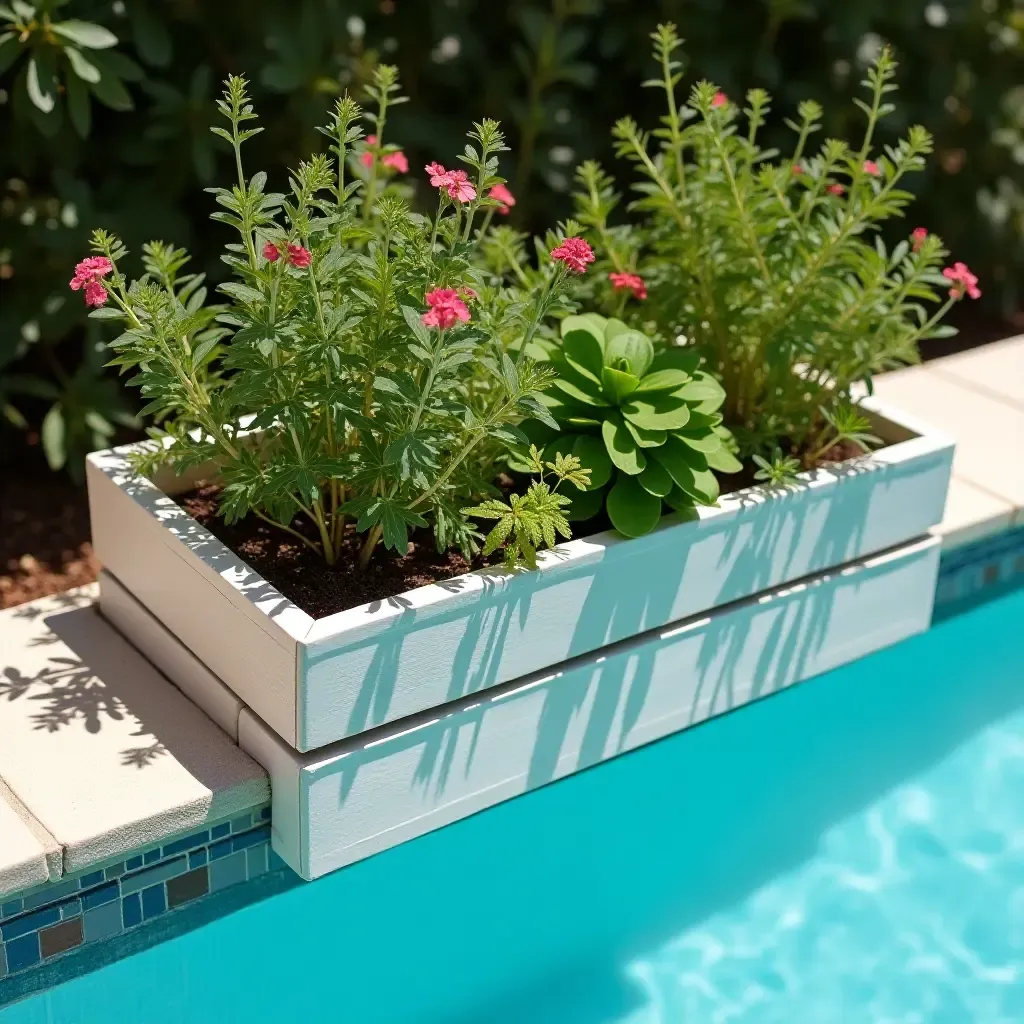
[{"x": 105, "y": 107}]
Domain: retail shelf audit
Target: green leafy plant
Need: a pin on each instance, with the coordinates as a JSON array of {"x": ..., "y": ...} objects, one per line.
[
  {"x": 65, "y": 64},
  {"x": 771, "y": 269},
  {"x": 526, "y": 522},
  {"x": 645, "y": 425},
  {"x": 780, "y": 471},
  {"x": 324, "y": 391}
]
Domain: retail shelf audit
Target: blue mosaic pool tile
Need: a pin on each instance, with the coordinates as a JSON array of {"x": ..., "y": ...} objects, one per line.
[
  {"x": 131, "y": 910},
  {"x": 29, "y": 923},
  {"x": 219, "y": 850},
  {"x": 157, "y": 873},
  {"x": 256, "y": 860},
  {"x": 23, "y": 952},
  {"x": 274, "y": 862},
  {"x": 229, "y": 871},
  {"x": 154, "y": 901},
  {"x": 103, "y": 922},
  {"x": 257, "y": 835},
  {"x": 71, "y": 908},
  {"x": 187, "y": 843},
  {"x": 105, "y": 894},
  {"x": 124, "y": 896},
  {"x": 50, "y": 894}
]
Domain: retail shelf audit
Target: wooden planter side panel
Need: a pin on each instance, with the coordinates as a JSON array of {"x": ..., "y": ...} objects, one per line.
[
  {"x": 442, "y": 642},
  {"x": 195, "y": 587},
  {"x": 367, "y": 794}
]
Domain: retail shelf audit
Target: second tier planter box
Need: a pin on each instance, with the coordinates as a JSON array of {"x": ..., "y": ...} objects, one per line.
[{"x": 317, "y": 681}]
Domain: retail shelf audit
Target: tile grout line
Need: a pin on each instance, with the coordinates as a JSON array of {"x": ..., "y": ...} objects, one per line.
[
  {"x": 51, "y": 847},
  {"x": 951, "y": 377}
]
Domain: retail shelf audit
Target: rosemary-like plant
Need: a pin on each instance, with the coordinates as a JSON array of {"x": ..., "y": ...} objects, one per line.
[
  {"x": 771, "y": 267},
  {"x": 364, "y": 370}
]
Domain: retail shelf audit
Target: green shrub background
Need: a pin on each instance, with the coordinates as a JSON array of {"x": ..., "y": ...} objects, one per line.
[{"x": 556, "y": 73}]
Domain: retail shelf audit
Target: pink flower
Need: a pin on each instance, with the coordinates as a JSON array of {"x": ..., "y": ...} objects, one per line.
[
  {"x": 271, "y": 253},
  {"x": 719, "y": 99},
  {"x": 870, "y": 167},
  {"x": 445, "y": 308},
  {"x": 396, "y": 161},
  {"x": 92, "y": 268},
  {"x": 835, "y": 190},
  {"x": 575, "y": 253},
  {"x": 439, "y": 177},
  {"x": 455, "y": 183},
  {"x": 298, "y": 256},
  {"x": 367, "y": 156},
  {"x": 503, "y": 196},
  {"x": 632, "y": 281},
  {"x": 460, "y": 188},
  {"x": 95, "y": 293},
  {"x": 797, "y": 169},
  {"x": 918, "y": 235},
  {"x": 961, "y": 280}
]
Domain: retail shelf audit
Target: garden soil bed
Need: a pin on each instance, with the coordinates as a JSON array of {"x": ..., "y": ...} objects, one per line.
[{"x": 44, "y": 535}]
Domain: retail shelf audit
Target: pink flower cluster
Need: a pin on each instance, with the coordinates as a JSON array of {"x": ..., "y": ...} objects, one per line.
[
  {"x": 634, "y": 282},
  {"x": 575, "y": 253},
  {"x": 455, "y": 183},
  {"x": 961, "y": 280},
  {"x": 297, "y": 255},
  {"x": 918, "y": 235},
  {"x": 88, "y": 275},
  {"x": 719, "y": 99},
  {"x": 502, "y": 195},
  {"x": 870, "y": 167},
  {"x": 446, "y": 308},
  {"x": 396, "y": 161}
]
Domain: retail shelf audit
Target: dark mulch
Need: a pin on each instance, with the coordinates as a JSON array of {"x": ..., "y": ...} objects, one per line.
[
  {"x": 44, "y": 534},
  {"x": 306, "y": 579}
]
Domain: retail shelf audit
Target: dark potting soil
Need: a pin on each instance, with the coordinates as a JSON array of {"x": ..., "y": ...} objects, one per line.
[
  {"x": 307, "y": 580},
  {"x": 320, "y": 590}
]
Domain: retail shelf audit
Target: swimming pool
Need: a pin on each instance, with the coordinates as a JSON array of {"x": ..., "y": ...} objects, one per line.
[{"x": 849, "y": 850}]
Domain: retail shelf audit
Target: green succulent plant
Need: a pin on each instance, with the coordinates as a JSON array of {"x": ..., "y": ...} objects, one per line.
[{"x": 646, "y": 425}]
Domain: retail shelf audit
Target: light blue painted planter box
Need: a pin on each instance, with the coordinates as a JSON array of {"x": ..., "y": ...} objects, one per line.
[
  {"x": 315, "y": 682},
  {"x": 361, "y": 796}
]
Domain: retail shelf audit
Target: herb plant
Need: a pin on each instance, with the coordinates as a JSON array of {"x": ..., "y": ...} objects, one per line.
[
  {"x": 360, "y": 370},
  {"x": 536, "y": 518},
  {"x": 770, "y": 268},
  {"x": 646, "y": 426}
]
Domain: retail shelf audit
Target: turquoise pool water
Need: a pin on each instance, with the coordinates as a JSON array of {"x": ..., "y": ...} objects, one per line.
[{"x": 849, "y": 851}]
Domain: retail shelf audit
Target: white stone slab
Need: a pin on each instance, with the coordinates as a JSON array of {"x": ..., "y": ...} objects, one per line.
[
  {"x": 996, "y": 370},
  {"x": 989, "y": 433},
  {"x": 972, "y": 514},
  {"x": 29, "y": 856},
  {"x": 102, "y": 750},
  {"x": 315, "y": 682},
  {"x": 371, "y": 792}
]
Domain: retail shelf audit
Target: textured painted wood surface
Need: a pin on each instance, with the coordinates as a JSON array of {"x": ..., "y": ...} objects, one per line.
[
  {"x": 361, "y": 796},
  {"x": 387, "y": 660}
]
